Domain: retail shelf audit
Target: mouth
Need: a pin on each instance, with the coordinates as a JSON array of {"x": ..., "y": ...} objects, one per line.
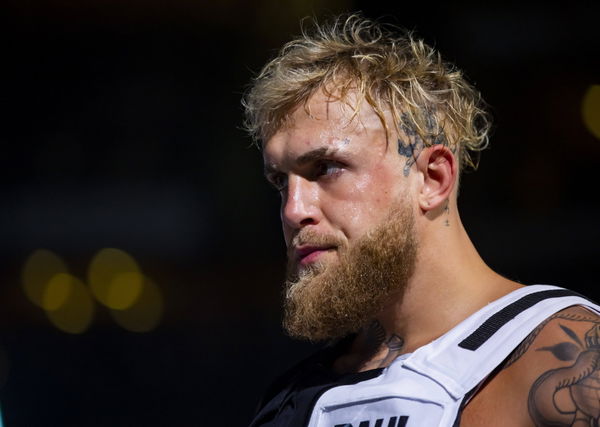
[{"x": 308, "y": 254}]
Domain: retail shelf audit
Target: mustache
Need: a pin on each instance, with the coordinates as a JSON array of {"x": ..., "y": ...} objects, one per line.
[
  {"x": 312, "y": 238},
  {"x": 309, "y": 237}
]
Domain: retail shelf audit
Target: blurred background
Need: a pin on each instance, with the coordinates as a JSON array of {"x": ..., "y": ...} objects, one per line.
[{"x": 140, "y": 250}]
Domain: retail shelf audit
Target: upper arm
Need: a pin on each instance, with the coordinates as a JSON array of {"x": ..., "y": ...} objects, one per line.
[
  {"x": 566, "y": 357},
  {"x": 551, "y": 379}
]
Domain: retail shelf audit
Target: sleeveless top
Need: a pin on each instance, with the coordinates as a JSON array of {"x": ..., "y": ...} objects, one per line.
[{"x": 428, "y": 387}]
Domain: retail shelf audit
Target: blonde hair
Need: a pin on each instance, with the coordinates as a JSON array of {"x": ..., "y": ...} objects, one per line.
[{"x": 391, "y": 72}]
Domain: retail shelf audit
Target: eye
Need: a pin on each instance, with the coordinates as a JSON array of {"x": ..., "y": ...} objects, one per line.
[
  {"x": 328, "y": 168},
  {"x": 278, "y": 181}
]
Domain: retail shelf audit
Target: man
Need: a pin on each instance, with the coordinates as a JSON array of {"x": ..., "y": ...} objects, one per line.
[{"x": 364, "y": 134}]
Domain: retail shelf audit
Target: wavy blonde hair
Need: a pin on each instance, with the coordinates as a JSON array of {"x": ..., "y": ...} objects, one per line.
[{"x": 392, "y": 72}]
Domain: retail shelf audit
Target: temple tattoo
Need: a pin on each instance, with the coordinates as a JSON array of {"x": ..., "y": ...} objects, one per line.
[
  {"x": 412, "y": 148},
  {"x": 568, "y": 395},
  {"x": 377, "y": 337}
]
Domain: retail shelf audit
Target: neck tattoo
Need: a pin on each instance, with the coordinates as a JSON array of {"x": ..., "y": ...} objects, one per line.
[{"x": 377, "y": 338}]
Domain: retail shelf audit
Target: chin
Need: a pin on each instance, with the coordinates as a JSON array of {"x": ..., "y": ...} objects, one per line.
[{"x": 344, "y": 291}]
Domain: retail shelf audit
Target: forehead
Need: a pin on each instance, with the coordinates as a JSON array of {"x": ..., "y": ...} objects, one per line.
[{"x": 325, "y": 121}]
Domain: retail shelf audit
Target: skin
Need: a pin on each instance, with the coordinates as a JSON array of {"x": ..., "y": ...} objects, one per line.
[
  {"x": 341, "y": 176},
  {"x": 551, "y": 380},
  {"x": 337, "y": 191}
]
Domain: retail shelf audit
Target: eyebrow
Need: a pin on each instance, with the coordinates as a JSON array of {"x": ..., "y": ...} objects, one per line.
[
  {"x": 310, "y": 156},
  {"x": 315, "y": 154}
]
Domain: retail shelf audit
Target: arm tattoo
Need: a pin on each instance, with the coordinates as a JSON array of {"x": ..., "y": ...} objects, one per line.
[
  {"x": 377, "y": 337},
  {"x": 412, "y": 148},
  {"x": 568, "y": 395},
  {"x": 524, "y": 346}
]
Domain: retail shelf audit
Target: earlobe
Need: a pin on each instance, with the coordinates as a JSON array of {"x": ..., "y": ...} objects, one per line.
[{"x": 439, "y": 169}]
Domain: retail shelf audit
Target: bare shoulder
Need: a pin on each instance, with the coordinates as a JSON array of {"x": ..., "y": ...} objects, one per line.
[{"x": 551, "y": 379}]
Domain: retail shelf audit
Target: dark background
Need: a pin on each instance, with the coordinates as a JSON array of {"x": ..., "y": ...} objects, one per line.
[{"x": 121, "y": 128}]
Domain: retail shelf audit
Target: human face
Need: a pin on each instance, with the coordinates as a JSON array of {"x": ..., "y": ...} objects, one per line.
[{"x": 338, "y": 177}]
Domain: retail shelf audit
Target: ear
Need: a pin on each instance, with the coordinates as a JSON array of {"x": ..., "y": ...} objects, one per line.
[{"x": 439, "y": 168}]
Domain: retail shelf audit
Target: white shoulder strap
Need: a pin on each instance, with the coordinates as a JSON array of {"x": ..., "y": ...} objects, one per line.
[{"x": 465, "y": 356}]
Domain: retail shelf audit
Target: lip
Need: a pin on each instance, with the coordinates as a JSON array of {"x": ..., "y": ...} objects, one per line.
[{"x": 308, "y": 254}]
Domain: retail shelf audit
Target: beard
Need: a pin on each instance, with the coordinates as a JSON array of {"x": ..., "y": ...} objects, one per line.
[{"x": 325, "y": 302}]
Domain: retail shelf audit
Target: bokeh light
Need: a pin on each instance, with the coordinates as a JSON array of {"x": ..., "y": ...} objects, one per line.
[
  {"x": 57, "y": 291},
  {"x": 39, "y": 268},
  {"x": 124, "y": 290},
  {"x": 68, "y": 304},
  {"x": 590, "y": 109},
  {"x": 145, "y": 314},
  {"x": 115, "y": 278}
]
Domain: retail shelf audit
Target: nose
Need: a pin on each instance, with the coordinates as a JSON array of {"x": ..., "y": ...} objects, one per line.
[{"x": 299, "y": 206}]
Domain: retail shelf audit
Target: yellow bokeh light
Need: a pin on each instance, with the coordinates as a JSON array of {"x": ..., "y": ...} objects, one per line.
[
  {"x": 590, "y": 109},
  {"x": 103, "y": 276},
  {"x": 57, "y": 291},
  {"x": 74, "y": 314},
  {"x": 124, "y": 290},
  {"x": 145, "y": 314},
  {"x": 39, "y": 268}
]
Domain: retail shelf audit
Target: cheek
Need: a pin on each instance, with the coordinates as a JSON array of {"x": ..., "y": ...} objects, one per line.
[
  {"x": 377, "y": 189},
  {"x": 367, "y": 204}
]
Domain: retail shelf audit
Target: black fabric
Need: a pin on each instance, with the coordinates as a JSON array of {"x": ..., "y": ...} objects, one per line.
[
  {"x": 499, "y": 319},
  {"x": 290, "y": 400}
]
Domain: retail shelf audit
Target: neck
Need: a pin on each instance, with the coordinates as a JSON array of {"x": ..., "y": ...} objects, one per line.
[{"x": 450, "y": 282}]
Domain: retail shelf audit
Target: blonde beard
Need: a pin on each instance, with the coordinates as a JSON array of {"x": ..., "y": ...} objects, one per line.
[{"x": 326, "y": 302}]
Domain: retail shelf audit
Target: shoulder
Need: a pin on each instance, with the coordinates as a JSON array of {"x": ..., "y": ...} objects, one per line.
[
  {"x": 561, "y": 358},
  {"x": 286, "y": 380},
  {"x": 551, "y": 378},
  {"x": 311, "y": 370}
]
